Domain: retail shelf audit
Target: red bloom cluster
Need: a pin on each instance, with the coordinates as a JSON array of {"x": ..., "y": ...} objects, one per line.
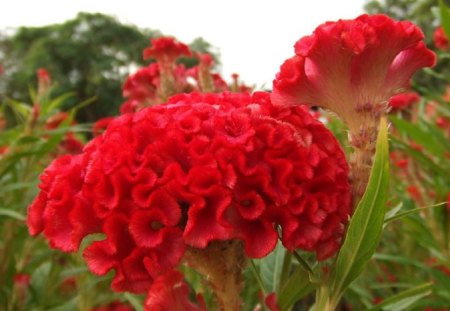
[
  {"x": 153, "y": 84},
  {"x": 404, "y": 100},
  {"x": 352, "y": 65},
  {"x": 441, "y": 39},
  {"x": 166, "y": 48},
  {"x": 198, "y": 169}
]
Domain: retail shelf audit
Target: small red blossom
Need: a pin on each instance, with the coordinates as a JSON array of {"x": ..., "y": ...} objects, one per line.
[
  {"x": 22, "y": 280},
  {"x": 415, "y": 194},
  {"x": 44, "y": 81},
  {"x": 404, "y": 100},
  {"x": 55, "y": 120},
  {"x": 403, "y": 163},
  {"x": 170, "y": 292},
  {"x": 440, "y": 38},
  {"x": 4, "y": 149},
  {"x": 198, "y": 169},
  {"x": 71, "y": 144},
  {"x": 350, "y": 66},
  {"x": 271, "y": 302},
  {"x": 377, "y": 300},
  {"x": 166, "y": 48},
  {"x": 415, "y": 146},
  {"x": 43, "y": 74},
  {"x": 142, "y": 85},
  {"x": 443, "y": 122},
  {"x": 100, "y": 125}
]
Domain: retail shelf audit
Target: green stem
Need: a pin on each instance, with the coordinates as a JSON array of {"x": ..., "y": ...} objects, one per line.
[{"x": 325, "y": 300}]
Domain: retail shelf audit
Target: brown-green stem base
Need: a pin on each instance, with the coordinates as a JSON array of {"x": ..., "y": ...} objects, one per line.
[{"x": 221, "y": 263}]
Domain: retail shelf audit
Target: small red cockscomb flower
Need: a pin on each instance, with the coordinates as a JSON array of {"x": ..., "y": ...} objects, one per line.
[
  {"x": 440, "y": 39},
  {"x": 404, "y": 100},
  {"x": 100, "y": 125},
  {"x": 170, "y": 292},
  {"x": 22, "y": 279},
  {"x": 352, "y": 66},
  {"x": 166, "y": 48},
  {"x": 198, "y": 169},
  {"x": 143, "y": 84},
  {"x": 44, "y": 81}
]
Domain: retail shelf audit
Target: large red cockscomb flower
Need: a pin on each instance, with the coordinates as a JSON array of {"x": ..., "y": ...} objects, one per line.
[
  {"x": 351, "y": 66},
  {"x": 198, "y": 169},
  {"x": 440, "y": 39}
]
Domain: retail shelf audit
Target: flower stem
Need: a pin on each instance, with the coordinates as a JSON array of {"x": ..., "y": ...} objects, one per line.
[
  {"x": 363, "y": 142},
  {"x": 221, "y": 263},
  {"x": 325, "y": 301}
]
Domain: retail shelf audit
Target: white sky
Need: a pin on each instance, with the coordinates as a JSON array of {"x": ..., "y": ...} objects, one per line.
[{"x": 253, "y": 37}]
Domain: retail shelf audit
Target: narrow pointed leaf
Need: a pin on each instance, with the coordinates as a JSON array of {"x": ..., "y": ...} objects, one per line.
[
  {"x": 445, "y": 17},
  {"x": 404, "y": 299},
  {"x": 364, "y": 230},
  {"x": 296, "y": 287}
]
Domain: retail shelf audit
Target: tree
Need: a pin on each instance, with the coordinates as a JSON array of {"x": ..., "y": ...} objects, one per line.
[{"x": 91, "y": 55}]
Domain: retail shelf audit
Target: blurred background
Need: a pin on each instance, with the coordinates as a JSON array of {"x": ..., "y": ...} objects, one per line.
[{"x": 90, "y": 47}]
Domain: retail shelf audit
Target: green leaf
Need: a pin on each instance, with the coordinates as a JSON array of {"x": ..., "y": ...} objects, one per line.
[
  {"x": 420, "y": 135},
  {"x": 134, "y": 301},
  {"x": 296, "y": 287},
  {"x": 404, "y": 299},
  {"x": 39, "y": 281},
  {"x": 364, "y": 230},
  {"x": 56, "y": 103},
  {"x": 445, "y": 17},
  {"x": 70, "y": 305},
  {"x": 270, "y": 268},
  {"x": 11, "y": 214},
  {"x": 409, "y": 212}
]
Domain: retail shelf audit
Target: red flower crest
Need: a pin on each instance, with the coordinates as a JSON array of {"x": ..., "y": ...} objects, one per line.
[
  {"x": 352, "y": 65},
  {"x": 198, "y": 169}
]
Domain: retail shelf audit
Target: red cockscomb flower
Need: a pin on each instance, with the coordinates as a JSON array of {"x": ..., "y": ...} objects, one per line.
[
  {"x": 100, "y": 125},
  {"x": 143, "y": 84},
  {"x": 170, "y": 292},
  {"x": 166, "y": 48},
  {"x": 404, "y": 100},
  {"x": 44, "y": 81},
  {"x": 440, "y": 39},
  {"x": 198, "y": 169},
  {"x": 350, "y": 66}
]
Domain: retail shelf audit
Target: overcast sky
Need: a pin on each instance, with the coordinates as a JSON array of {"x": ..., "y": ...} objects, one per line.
[{"x": 253, "y": 37}]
